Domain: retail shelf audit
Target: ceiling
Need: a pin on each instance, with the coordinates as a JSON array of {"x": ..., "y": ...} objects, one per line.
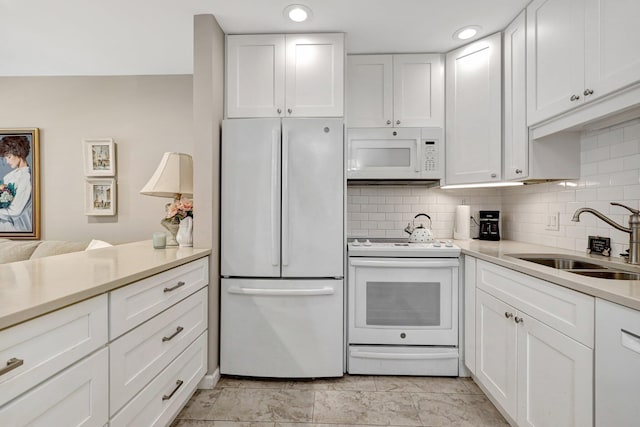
[{"x": 129, "y": 37}]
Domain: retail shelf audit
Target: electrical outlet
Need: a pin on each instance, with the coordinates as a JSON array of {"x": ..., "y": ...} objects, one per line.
[{"x": 553, "y": 221}]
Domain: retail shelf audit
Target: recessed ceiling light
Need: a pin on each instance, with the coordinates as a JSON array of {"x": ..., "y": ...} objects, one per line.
[
  {"x": 467, "y": 32},
  {"x": 297, "y": 12}
]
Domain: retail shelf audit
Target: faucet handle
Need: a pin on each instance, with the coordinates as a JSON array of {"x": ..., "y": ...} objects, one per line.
[{"x": 633, "y": 211}]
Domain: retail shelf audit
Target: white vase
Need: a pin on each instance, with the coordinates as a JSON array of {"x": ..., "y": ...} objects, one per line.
[{"x": 185, "y": 232}]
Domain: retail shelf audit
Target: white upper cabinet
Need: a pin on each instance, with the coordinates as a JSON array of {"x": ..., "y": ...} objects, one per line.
[
  {"x": 474, "y": 112},
  {"x": 277, "y": 75},
  {"x": 578, "y": 51},
  {"x": 255, "y": 75},
  {"x": 395, "y": 90},
  {"x": 555, "y": 57},
  {"x": 516, "y": 134},
  {"x": 612, "y": 46}
]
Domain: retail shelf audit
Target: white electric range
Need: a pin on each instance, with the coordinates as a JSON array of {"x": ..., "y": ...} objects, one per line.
[{"x": 402, "y": 309}]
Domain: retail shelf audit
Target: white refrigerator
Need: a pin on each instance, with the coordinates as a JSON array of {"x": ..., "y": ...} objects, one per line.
[{"x": 282, "y": 243}]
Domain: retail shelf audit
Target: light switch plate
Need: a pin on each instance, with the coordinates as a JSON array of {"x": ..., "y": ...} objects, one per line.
[{"x": 553, "y": 221}]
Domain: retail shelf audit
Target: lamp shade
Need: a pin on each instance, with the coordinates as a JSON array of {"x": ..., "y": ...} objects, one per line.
[{"x": 172, "y": 178}]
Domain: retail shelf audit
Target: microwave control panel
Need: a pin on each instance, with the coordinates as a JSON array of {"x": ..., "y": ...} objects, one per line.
[{"x": 430, "y": 156}]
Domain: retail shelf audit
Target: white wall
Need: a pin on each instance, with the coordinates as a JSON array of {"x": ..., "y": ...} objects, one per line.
[
  {"x": 610, "y": 172},
  {"x": 145, "y": 115}
]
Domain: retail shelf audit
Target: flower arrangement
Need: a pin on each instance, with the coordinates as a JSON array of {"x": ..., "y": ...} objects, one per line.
[
  {"x": 7, "y": 193},
  {"x": 179, "y": 210}
]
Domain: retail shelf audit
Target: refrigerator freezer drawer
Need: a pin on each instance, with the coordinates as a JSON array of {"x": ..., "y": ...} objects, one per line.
[{"x": 281, "y": 328}]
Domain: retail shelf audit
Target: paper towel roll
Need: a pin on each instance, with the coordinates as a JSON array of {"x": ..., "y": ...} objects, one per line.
[{"x": 462, "y": 227}]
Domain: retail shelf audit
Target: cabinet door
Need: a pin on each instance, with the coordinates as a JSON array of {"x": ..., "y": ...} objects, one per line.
[
  {"x": 314, "y": 75},
  {"x": 418, "y": 98},
  {"x": 255, "y": 75},
  {"x": 555, "y": 378},
  {"x": 474, "y": 112},
  {"x": 370, "y": 90},
  {"x": 612, "y": 49},
  {"x": 496, "y": 350},
  {"x": 516, "y": 134},
  {"x": 555, "y": 57}
]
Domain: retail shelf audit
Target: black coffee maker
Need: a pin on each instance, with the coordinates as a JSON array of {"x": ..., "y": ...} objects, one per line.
[{"x": 489, "y": 229}]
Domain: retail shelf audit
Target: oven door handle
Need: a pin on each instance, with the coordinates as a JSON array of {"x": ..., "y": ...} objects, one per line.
[
  {"x": 449, "y": 262},
  {"x": 403, "y": 356}
]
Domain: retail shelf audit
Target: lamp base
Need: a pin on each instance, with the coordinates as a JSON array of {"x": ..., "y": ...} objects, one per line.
[{"x": 173, "y": 230}]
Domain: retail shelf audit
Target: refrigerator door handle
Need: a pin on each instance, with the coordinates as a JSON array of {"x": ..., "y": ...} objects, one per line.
[
  {"x": 325, "y": 290},
  {"x": 285, "y": 197},
  {"x": 275, "y": 253}
]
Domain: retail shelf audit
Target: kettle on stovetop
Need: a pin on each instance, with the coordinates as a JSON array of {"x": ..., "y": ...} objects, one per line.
[{"x": 419, "y": 234}]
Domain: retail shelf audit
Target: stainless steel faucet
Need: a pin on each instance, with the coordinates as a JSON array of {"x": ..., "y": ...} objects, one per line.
[{"x": 633, "y": 229}]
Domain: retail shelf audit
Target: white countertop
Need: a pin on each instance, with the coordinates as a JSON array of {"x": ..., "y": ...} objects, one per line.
[
  {"x": 624, "y": 292},
  {"x": 32, "y": 288}
]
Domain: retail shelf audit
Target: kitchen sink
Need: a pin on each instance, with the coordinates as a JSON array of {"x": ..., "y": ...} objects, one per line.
[
  {"x": 610, "y": 274},
  {"x": 560, "y": 262},
  {"x": 579, "y": 266}
]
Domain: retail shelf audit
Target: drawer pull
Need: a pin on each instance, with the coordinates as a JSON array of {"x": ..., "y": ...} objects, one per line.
[
  {"x": 169, "y": 396},
  {"x": 12, "y": 364},
  {"x": 181, "y": 283},
  {"x": 170, "y": 337}
]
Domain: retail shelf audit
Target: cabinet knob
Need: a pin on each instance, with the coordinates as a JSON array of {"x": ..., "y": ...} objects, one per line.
[
  {"x": 588, "y": 92},
  {"x": 279, "y": 110},
  {"x": 397, "y": 122},
  {"x": 574, "y": 97},
  {"x": 388, "y": 122},
  {"x": 518, "y": 170},
  {"x": 289, "y": 110},
  {"x": 508, "y": 315},
  {"x": 518, "y": 319},
  {"x": 493, "y": 175}
]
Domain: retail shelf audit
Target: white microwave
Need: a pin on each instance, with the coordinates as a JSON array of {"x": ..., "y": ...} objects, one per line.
[{"x": 398, "y": 153}]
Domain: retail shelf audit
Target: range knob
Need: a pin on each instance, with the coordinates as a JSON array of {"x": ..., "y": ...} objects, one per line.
[
  {"x": 367, "y": 243},
  {"x": 355, "y": 242}
]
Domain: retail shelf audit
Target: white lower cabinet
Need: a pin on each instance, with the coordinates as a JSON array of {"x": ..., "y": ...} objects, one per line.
[
  {"x": 536, "y": 373},
  {"x": 62, "y": 370},
  {"x": 77, "y": 396},
  {"x": 160, "y": 401}
]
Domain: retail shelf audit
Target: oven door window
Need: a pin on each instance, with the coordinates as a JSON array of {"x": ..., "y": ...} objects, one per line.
[{"x": 403, "y": 304}]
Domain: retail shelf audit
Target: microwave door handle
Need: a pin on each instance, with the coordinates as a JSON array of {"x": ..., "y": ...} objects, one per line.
[
  {"x": 417, "y": 167},
  {"x": 275, "y": 217}
]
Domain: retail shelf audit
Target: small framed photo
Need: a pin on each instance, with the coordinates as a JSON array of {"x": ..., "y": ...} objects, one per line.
[
  {"x": 99, "y": 157},
  {"x": 100, "y": 197}
]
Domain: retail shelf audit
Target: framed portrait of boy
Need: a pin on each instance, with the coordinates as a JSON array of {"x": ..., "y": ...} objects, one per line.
[
  {"x": 20, "y": 183},
  {"x": 99, "y": 157}
]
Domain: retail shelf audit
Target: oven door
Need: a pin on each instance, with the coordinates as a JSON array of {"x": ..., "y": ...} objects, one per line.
[
  {"x": 384, "y": 153},
  {"x": 403, "y": 301}
]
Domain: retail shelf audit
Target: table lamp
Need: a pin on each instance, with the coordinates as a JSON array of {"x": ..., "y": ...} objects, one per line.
[{"x": 172, "y": 179}]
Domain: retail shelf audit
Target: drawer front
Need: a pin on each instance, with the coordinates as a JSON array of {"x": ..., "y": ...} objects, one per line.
[
  {"x": 48, "y": 344},
  {"x": 75, "y": 397},
  {"x": 138, "y": 356},
  {"x": 565, "y": 310},
  {"x": 134, "y": 304},
  {"x": 159, "y": 402},
  {"x": 398, "y": 360}
]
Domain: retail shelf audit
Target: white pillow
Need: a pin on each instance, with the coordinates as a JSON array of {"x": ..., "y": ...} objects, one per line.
[{"x": 97, "y": 244}]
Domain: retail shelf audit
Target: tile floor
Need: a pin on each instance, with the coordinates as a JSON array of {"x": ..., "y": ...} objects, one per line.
[{"x": 348, "y": 401}]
